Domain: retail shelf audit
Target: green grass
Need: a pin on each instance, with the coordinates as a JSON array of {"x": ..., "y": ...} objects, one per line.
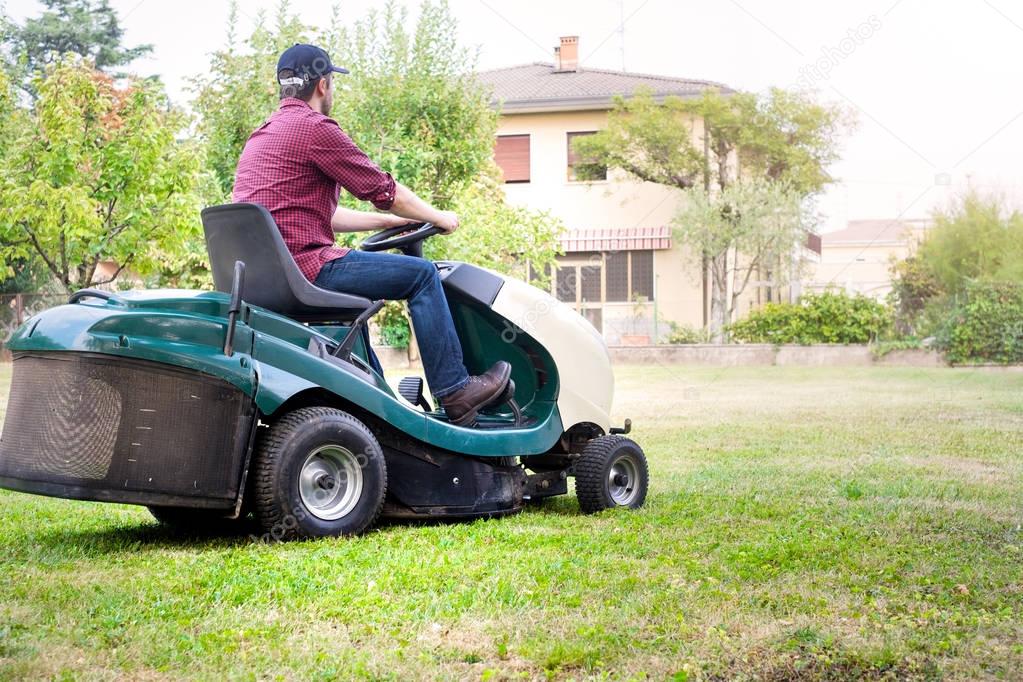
[{"x": 817, "y": 523}]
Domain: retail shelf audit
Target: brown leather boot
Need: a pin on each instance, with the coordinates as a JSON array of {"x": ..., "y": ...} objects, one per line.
[{"x": 462, "y": 405}]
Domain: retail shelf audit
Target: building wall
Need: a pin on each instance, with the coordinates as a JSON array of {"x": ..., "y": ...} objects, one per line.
[
  {"x": 862, "y": 267},
  {"x": 859, "y": 269},
  {"x": 618, "y": 202}
]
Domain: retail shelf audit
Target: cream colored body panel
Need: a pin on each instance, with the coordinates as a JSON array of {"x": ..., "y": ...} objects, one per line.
[{"x": 584, "y": 366}]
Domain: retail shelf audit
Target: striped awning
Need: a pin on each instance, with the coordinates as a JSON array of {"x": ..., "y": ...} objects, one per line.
[{"x": 617, "y": 239}]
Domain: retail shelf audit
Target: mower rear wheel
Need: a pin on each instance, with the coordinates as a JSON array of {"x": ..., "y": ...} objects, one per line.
[
  {"x": 611, "y": 472},
  {"x": 318, "y": 472}
]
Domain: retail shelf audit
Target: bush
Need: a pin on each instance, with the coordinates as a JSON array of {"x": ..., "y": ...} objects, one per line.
[
  {"x": 395, "y": 330},
  {"x": 985, "y": 324},
  {"x": 830, "y": 317},
  {"x": 685, "y": 334}
]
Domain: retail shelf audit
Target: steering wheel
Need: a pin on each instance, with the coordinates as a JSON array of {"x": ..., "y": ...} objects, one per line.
[{"x": 406, "y": 238}]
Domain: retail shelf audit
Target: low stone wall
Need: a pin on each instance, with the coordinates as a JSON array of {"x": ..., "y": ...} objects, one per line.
[
  {"x": 744, "y": 355},
  {"x": 711, "y": 355}
]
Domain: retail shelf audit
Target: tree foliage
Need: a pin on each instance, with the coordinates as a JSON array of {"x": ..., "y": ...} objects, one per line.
[
  {"x": 714, "y": 139},
  {"x": 913, "y": 288},
  {"x": 97, "y": 174},
  {"x": 748, "y": 228},
  {"x": 88, "y": 28},
  {"x": 414, "y": 103},
  {"x": 975, "y": 239}
]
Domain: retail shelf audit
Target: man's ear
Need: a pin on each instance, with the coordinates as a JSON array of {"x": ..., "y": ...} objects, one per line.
[{"x": 322, "y": 86}]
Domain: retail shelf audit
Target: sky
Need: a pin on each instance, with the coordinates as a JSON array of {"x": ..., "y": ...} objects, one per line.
[{"x": 934, "y": 85}]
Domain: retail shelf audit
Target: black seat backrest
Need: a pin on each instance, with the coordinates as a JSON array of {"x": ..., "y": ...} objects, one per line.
[{"x": 247, "y": 232}]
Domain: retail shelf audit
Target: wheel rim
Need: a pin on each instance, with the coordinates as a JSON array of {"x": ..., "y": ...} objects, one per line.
[
  {"x": 623, "y": 480},
  {"x": 330, "y": 482}
]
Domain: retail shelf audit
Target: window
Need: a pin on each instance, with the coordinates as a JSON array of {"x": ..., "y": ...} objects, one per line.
[
  {"x": 642, "y": 274},
  {"x": 574, "y": 159},
  {"x": 617, "y": 276},
  {"x": 609, "y": 277},
  {"x": 511, "y": 152},
  {"x": 589, "y": 282},
  {"x": 566, "y": 283}
]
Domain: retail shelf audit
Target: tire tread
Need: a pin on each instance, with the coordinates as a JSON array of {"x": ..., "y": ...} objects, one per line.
[
  {"x": 268, "y": 453},
  {"x": 590, "y": 486}
]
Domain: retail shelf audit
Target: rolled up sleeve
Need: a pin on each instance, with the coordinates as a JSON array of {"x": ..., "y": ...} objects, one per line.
[{"x": 339, "y": 158}]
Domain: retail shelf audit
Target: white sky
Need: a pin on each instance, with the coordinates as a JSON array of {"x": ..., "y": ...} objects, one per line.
[{"x": 935, "y": 84}]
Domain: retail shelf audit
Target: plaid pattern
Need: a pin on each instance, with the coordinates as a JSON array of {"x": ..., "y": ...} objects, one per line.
[{"x": 294, "y": 165}]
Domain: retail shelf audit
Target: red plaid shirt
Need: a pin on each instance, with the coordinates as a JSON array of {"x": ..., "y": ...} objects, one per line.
[{"x": 294, "y": 165}]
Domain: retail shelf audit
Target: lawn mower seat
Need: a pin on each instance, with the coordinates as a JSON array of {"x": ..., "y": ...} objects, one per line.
[{"x": 247, "y": 232}]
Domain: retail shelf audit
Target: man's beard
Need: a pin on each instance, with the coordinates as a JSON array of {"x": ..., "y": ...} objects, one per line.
[{"x": 325, "y": 106}]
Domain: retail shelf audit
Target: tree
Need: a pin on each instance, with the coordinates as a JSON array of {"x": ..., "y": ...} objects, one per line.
[
  {"x": 975, "y": 241},
  {"x": 88, "y": 28},
  {"x": 913, "y": 288},
  {"x": 976, "y": 238},
  {"x": 783, "y": 138},
  {"x": 97, "y": 174},
  {"x": 749, "y": 227}
]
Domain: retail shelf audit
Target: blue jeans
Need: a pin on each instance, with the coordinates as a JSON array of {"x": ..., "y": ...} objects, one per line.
[{"x": 393, "y": 277}]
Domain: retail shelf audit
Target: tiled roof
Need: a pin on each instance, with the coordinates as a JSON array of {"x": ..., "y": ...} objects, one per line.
[
  {"x": 611, "y": 239},
  {"x": 538, "y": 86},
  {"x": 873, "y": 232}
]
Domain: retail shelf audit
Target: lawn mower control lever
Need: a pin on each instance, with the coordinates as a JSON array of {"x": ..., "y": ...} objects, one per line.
[
  {"x": 235, "y": 306},
  {"x": 344, "y": 349}
]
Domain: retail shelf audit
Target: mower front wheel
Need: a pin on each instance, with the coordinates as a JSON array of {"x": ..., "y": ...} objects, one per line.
[
  {"x": 318, "y": 472},
  {"x": 611, "y": 472}
]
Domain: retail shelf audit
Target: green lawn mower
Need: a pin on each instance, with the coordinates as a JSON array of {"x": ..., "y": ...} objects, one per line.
[{"x": 262, "y": 398}]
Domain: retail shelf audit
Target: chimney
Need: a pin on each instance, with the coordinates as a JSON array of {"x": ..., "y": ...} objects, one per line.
[{"x": 566, "y": 56}]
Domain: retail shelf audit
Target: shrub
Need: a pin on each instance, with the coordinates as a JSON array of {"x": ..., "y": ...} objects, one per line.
[
  {"x": 829, "y": 317},
  {"x": 685, "y": 333},
  {"x": 985, "y": 324},
  {"x": 394, "y": 325}
]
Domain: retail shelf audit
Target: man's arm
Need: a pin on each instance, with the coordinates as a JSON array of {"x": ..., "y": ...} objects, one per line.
[
  {"x": 348, "y": 220},
  {"x": 409, "y": 206},
  {"x": 339, "y": 158}
]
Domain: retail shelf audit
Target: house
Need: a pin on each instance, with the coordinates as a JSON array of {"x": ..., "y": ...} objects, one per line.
[
  {"x": 621, "y": 269},
  {"x": 858, "y": 258}
]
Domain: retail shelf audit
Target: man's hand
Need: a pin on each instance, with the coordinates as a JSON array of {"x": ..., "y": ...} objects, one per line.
[{"x": 448, "y": 221}]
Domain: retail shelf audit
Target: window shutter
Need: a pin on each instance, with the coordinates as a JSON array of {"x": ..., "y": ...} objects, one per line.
[{"x": 512, "y": 155}]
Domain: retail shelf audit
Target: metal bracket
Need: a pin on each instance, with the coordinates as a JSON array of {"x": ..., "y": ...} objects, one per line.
[{"x": 622, "y": 429}]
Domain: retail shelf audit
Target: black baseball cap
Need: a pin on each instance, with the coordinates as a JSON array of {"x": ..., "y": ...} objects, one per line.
[{"x": 307, "y": 62}]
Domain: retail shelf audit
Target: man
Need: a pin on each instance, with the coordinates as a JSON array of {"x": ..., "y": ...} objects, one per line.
[{"x": 294, "y": 165}]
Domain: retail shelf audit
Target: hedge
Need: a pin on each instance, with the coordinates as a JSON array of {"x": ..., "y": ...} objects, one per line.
[
  {"x": 829, "y": 317},
  {"x": 985, "y": 325}
]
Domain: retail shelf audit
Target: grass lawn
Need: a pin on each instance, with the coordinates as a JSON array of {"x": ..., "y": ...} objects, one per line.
[{"x": 826, "y": 523}]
